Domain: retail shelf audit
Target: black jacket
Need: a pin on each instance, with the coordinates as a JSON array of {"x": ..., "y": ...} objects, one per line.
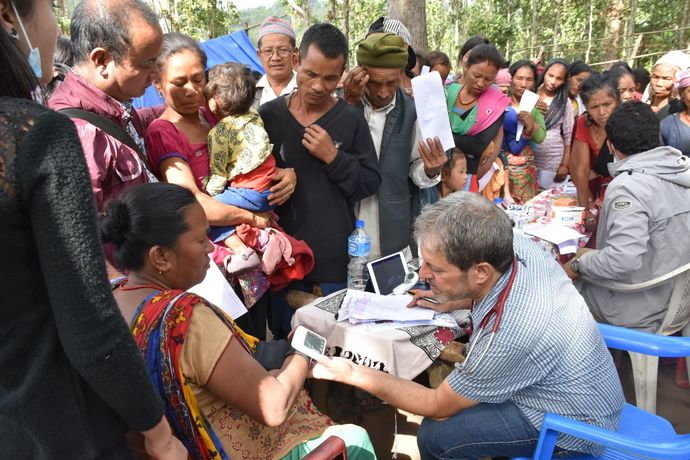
[{"x": 72, "y": 381}]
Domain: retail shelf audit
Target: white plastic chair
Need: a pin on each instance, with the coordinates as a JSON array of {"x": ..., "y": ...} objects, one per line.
[{"x": 645, "y": 367}]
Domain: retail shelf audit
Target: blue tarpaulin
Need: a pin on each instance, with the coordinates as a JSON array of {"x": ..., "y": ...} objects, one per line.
[{"x": 235, "y": 47}]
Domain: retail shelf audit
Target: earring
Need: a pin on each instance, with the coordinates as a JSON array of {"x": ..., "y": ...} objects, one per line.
[
  {"x": 160, "y": 272},
  {"x": 13, "y": 34}
]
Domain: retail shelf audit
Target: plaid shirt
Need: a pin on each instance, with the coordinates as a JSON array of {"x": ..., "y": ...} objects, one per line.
[{"x": 547, "y": 355}]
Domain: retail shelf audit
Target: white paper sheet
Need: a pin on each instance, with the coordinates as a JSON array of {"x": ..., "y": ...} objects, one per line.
[
  {"x": 527, "y": 103},
  {"x": 569, "y": 247},
  {"x": 442, "y": 320},
  {"x": 553, "y": 233},
  {"x": 545, "y": 178},
  {"x": 432, "y": 111},
  {"x": 487, "y": 177},
  {"x": 360, "y": 306},
  {"x": 216, "y": 289}
]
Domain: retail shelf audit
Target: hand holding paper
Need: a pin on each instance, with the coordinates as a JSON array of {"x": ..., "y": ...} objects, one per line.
[
  {"x": 527, "y": 104},
  {"x": 432, "y": 111}
]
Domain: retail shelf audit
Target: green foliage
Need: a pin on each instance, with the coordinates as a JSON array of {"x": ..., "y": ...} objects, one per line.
[
  {"x": 561, "y": 27},
  {"x": 201, "y": 19}
]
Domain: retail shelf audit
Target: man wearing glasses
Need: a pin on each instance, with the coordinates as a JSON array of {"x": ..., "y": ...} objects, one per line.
[{"x": 278, "y": 54}]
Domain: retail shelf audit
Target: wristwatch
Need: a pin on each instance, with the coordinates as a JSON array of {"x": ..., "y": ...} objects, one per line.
[{"x": 575, "y": 266}]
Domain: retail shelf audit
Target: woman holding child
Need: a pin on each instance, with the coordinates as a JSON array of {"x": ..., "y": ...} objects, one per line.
[
  {"x": 177, "y": 144},
  {"x": 476, "y": 110},
  {"x": 222, "y": 401}
]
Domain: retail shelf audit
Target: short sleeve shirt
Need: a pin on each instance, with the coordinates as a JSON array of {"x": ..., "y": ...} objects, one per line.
[
  {"x": 164, "y": 140},
  {"x": 583, "y": 134},
  {"x": 547, "y": 356}
]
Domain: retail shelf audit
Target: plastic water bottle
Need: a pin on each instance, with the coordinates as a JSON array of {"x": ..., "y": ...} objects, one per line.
[{"x": 358, "y": 248}]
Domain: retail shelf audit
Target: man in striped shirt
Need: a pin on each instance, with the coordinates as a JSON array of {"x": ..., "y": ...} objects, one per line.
[{"x": 546, "y": 357}]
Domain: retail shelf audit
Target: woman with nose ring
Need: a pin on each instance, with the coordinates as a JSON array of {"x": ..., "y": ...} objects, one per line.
[{"x": 476, "y": 109}]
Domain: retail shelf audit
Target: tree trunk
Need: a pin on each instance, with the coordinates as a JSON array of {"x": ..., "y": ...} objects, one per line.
[
  {"x": 412, "y": 13},
  {"x": 684, "y": 23},
  {"x": 533, "y": 29},
  {"x": 332, "y": 12},
  {"x": 346, "y": 18},
  {"x": 589, "y": 30},
  {"x": 630, "y": 30},
  {"x": 614, "y": 12},
  {"x": 556, "y": 27}
]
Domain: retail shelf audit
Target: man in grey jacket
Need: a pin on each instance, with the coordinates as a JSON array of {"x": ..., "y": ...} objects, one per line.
[{"x": 644, "y": 227}]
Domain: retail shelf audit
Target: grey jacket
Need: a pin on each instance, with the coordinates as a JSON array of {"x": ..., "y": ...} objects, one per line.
[{"x": 643, "y": 233}]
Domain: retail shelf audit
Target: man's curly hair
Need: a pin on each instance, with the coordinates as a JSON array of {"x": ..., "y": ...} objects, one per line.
[{"x": 633, "y": 128}]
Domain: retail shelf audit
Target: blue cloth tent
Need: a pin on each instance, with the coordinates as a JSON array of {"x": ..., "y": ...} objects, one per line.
[{"x": 235, "y": 47}]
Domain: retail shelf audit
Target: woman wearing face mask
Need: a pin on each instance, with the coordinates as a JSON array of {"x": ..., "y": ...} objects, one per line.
[
  {"x": 675, "y": 129},
  {"x": 523, "y": 173},
  {"x": 476, "y": 111},
  {"x": 579, "y": 72},
  {"x": 73, "y": 380},
  {"x": 590, "y": 154},
  {"x": 552, "y": 155},
  {"x": 659, "y": 93}
]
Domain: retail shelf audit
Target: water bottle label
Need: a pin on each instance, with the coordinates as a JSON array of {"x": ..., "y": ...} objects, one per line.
[{"x": 357, "y": 249}]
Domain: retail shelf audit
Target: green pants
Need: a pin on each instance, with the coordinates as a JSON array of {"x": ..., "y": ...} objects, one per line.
[{"x": 356, "y": 439}]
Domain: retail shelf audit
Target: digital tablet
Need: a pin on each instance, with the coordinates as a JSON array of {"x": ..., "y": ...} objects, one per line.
[{"x": 387, "y": 272}]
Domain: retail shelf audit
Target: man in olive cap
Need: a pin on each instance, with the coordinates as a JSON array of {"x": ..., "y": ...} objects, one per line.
[{"x": 392, "y": 121}]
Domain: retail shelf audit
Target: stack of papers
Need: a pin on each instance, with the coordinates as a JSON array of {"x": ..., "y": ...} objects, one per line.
[
  {"x": 564, "y": 237},
  {"x": 376, "y": 312}
]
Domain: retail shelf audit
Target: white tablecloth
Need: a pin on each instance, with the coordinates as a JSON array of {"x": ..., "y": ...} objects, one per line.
[{"x": 404, "y": 352}]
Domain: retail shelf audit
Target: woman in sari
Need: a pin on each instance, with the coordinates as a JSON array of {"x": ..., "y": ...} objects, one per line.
[
  {"x": 552, "y": 155},
  {"x": 476, "y": 111},
  {"x": 523, "y": 172},
  {"x": 221, "y": 402}
]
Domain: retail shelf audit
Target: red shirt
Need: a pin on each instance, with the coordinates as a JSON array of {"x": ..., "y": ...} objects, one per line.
[
  {"x": 164, "y": 140},
  {"x": 583, "y": 134}
]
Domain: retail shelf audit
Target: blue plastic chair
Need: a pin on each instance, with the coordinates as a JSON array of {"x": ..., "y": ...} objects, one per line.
[{"x": 640, "y": 434}]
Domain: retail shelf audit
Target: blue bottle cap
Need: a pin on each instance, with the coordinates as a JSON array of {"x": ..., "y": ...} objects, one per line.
[{"x": 359, "y": 224}]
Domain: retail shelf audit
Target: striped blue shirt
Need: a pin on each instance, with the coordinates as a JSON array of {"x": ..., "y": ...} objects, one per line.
[{"x": 547, "y": 355}]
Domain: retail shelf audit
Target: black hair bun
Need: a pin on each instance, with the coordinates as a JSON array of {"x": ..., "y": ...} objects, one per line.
[{"x": 114, "y": 224}]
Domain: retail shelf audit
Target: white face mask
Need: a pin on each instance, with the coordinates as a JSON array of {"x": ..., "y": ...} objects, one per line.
[{"x": 34, "y": 58}]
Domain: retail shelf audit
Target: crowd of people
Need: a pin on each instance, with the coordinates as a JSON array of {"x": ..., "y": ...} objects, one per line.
[{"x": 110, "y": 214}]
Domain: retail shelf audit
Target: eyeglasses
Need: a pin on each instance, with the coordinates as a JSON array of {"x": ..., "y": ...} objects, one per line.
[{"x": 281, "y": 52}]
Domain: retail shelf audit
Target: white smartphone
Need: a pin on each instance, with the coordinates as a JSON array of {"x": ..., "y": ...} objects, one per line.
[{"x": 308, "y": 342}]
